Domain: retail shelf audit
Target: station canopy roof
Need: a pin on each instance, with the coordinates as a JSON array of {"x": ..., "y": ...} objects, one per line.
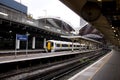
[
  {"x": 90, "y": 32},
  {"x": 57, "y": 22},
  {"x": 79, "y": 38},
  {"x": 102, "y": 14}
]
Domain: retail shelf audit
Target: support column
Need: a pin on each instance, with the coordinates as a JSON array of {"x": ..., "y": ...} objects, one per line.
[
  {"x": 91, "y": 47},
  {"x": 17, "y": 44},
  {"x": 72, "y": 45},
  {"x": 33, "y": 43},
  {"x": 44, "y": 45},
  {"x": 88, "y": 45}
]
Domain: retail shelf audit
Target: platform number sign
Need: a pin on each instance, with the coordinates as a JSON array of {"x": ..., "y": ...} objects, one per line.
[{"x": 21, "y": 37}]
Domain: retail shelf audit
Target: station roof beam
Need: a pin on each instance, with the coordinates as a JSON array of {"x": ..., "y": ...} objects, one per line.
[{"x": 102, "y": 14}]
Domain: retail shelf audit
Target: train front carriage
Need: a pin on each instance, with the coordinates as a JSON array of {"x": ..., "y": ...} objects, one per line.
[
  {"x": 54, "y": 45},
  {"x": 49, "y": 46}
]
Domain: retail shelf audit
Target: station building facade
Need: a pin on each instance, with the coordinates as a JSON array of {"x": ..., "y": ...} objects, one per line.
[{"x": 16, "y": 21}]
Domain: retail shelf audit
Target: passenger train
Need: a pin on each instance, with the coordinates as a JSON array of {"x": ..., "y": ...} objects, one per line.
[{"x": 54, "y": 45}]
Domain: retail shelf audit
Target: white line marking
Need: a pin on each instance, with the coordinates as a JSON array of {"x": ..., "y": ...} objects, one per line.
[{"x": 76, "y": 75}]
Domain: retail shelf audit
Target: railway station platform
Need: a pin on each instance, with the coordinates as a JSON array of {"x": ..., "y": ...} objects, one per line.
[
  {"x": 106, "y": 68},
  {"x": 26, "y": 57},
  {"x": 13, "y": 51}
]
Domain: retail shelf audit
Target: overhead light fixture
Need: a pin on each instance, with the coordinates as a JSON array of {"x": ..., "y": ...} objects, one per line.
[
  {"x": 4, "y": 14},
  {"x": 115, "y": 17},
  {"x": 66, "y": 32},
  {"x": 58, "y": 30},
  {"x": 27, "y": 33},
  {"x": 116, "y": 35},
  {"x": 113, "y": 27},
  {"x": 47, "y": 27},
  {"x": 114, "y": 30},
  {"x": 99, "y": 0},
  {"x": 10, "y": 31},
  {"x": 30, "y": 22}
]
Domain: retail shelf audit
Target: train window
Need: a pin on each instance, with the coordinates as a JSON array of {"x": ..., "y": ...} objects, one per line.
[
  {"x": 70, "y": 45},
  {"x": 52, "y": 44},
  {"x": 64, "y": 45},
  {"x": 47, "y": 43},
  {"x": 78, "y": 46},
  {"x": 58, "y": 45}
]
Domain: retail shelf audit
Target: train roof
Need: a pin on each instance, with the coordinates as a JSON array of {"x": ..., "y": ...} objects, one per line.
[{"x": 63, "y": 42}]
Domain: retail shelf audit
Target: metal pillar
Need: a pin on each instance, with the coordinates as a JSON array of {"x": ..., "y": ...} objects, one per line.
[
  {"x": 27, "y": 34},
  {"x": 17, "y": 44},
  {"x": 72, "y": 45},
  {"x": 33, "y": 43},
  {"x": 44, "y": 45}
]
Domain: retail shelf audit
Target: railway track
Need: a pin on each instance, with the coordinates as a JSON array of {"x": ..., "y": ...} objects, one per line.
[
  {"x": 52, "y": 70},
  {"x": 75, "y": 68},
  {"x": 63, "y": 69}
]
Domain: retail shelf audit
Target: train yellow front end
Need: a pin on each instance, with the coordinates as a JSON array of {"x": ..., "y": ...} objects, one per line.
[{"x": 49, "y": 46}]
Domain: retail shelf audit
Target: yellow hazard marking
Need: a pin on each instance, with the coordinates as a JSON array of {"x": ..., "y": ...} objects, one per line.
[{"x": 49, "y": 45}]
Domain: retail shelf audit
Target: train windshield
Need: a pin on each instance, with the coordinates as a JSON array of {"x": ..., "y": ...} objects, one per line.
[{"x": 50, "y": 44}]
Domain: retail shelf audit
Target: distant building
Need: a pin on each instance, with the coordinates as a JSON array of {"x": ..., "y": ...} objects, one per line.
[{"x": 14, "y": 5}]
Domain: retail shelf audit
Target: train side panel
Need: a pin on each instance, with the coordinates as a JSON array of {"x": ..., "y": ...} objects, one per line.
[{"x": 54, "y": 45}]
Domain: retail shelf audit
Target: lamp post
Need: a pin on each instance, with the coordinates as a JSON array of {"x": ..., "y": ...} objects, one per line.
[
  {"x": 15, "y": 45},
  {"x": 27, "y": 34},
  {"x": 72, "y": 32},
  {"x": 20, "y": 2},
  {"x": 45, "y": 11}
]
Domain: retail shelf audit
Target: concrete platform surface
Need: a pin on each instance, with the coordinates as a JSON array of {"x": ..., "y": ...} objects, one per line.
[
  {"x": 16, "y": 58},
  {"x": 111, "y": 70},
  {"x": 89, "y": 72}
]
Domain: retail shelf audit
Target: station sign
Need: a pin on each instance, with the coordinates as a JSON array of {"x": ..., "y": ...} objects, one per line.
[{"x": 21, "y": 37}]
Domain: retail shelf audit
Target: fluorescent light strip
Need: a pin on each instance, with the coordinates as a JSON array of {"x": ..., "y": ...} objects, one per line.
[
  {"x": 3, "y": 14},
  {"x": 47, "y": 27}
]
